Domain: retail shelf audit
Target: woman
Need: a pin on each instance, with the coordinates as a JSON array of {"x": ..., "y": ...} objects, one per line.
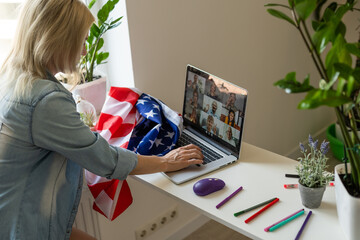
[
  {"x": 230, "y": 118},
  {"x": 43, "y": 143}
]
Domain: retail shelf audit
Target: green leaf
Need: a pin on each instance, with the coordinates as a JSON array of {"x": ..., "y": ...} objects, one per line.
[
  {"x": 291, "y": 3},
  {"x": 90, "y": 39},
  {"x": 315, "y": 25},
  {"x": 329, "y": 12},
  {"x": 356, "y": 74},
  {"x": 340, "y": 86},
  {"x": 91, "y": 4},
  {"x": 323, "y": 36},
  {"x": 276, "y": 5},
  {"x": 101, "y": 57},
  {"x": 100, "y": 44},
  {"x": 340, "y": 29},
  {"x": 94, "y": 30},
  {"x": 116, "y": 20},
  {"x": 333, "y": 6},
  {"x": 350, "y": 86},
  {"x": 291, "y": 85},
  {"x": 345, "y": 71},
  {"x": 304, "y": 8},
  {"x": 342, "y": 10},
  {"x": 114, "y": 25},
  {"x": 358, "y": 99},
  {"x": 353, "y": 48},
  {"x": 338, "y": 53},
  {"x": 281, "y": 15},
  {"x": 317, "y": 97},
  {"x": 103, "y": 13},
  {"x": 333, "y": 79}
]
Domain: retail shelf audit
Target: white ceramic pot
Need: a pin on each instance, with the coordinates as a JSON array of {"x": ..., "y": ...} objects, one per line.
[
  {"x": 348, "y": 207},
  {"x": 94, "y": 92}
]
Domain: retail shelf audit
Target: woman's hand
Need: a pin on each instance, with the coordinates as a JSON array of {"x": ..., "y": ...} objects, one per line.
[
  {"x": 183, "y": 157},
  {"x": 174, "y": 160}
]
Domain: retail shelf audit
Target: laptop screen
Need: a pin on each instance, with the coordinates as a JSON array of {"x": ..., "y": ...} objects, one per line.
[{"x": 214, "y": 107}]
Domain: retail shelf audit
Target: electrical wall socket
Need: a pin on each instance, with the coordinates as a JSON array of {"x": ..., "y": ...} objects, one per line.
[{"x": 156, "y": 224}]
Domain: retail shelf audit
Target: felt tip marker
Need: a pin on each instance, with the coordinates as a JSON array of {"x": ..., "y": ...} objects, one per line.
[
  {"x": 267, "y": 228},
  {"x": 261, "y": 210},
  {"x": 286, "y": 221},
  {"x": 303, "y": 226},
  {"x": 229, "y": 197},
  {"x": 254, "y": 207},
  {"x": 292, "y": 175},
  {"x": 295, "y": 185}
]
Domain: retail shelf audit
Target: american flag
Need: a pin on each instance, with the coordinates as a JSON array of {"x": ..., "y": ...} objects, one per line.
[{"x": 136, "y": 121}]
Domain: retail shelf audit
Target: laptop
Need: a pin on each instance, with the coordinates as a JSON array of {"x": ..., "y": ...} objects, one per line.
[{"x": 214, "y": 114}]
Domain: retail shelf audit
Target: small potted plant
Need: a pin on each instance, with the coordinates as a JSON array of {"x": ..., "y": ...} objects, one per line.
[
  {"x": 93, "y": 86},
  {"x": 313, "y": 174}
]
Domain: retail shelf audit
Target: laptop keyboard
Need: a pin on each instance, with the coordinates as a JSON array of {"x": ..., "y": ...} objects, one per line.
[{"x": 209, "y": 154}]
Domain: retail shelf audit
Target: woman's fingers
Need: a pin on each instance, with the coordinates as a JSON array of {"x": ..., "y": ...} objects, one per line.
[
  {"x": 186, "y": 154},
  {"x": 183, "y": 157}
]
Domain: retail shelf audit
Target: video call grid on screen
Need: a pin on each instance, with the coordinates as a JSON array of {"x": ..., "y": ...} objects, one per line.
[{"x": 214, "y": 105}]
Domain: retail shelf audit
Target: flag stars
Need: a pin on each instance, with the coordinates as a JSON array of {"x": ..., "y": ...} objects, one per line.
[
  {"x": 141, "y": 101},
  {"x": 170, "y": 147},
  {"x": 170, "y": 134},
  {"x": 158, "y": 142},
  {"x": 147, "y": 97},
  {"x": 156, "y": 106},
  {"x": 150, "y": 114}
]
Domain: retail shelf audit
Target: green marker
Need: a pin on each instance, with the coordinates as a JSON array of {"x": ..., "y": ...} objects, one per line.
[
  {"x": 286, "y": 221},
  {"x": 253, "y": 207}
]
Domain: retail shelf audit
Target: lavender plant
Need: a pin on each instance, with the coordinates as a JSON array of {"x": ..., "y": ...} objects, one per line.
[{"x": 312, "y": 167}]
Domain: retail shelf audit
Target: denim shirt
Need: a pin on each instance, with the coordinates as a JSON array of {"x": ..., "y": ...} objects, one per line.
[{"x": 43, "y": 147}]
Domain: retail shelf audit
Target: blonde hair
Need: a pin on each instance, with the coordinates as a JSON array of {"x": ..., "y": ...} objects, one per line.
[{"x": 49, "y": 36}]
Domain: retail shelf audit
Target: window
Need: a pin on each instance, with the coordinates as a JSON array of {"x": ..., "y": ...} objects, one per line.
[{"x": 8, "y": 16}]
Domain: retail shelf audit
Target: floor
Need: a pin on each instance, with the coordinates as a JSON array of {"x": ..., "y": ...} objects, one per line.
[
  {"x": 213, "y": 230},
  {"x": 216, "y": 231}
]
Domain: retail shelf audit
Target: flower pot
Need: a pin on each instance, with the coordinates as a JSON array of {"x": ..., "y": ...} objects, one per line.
[
  {"x": 311, "y": 197},
  {"x": 94, "y": 92},
  {"x": 348, "y": 207}
]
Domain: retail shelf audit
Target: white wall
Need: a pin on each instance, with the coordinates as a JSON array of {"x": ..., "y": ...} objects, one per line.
[{"x": 234, "y": 39}]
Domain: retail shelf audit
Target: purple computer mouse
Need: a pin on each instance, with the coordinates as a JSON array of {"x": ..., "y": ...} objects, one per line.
[{"x": 206, "y": 186}]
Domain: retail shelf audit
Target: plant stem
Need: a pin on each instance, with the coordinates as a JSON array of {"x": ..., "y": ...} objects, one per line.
[
  {"x": 321, "y": 68},
  {"x": 306, "y": 41},
  {"x": 354, "y": 158},
  {"x": 353, "y": 127},
  {"x": 356, "y": 142}
]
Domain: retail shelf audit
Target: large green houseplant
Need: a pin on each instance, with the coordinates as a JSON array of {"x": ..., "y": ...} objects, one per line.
[
  {"x": 338, "y": 88},
  {"x": 94, "y": 43},
  {"x": 339, "y": 82}
]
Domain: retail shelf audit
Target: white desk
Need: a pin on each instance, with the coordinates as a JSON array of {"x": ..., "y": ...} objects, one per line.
[{"x": 262, "y": 175}]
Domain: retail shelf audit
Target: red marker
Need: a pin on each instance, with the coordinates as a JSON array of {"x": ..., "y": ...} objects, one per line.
[{"x": 261, "y": 210}]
